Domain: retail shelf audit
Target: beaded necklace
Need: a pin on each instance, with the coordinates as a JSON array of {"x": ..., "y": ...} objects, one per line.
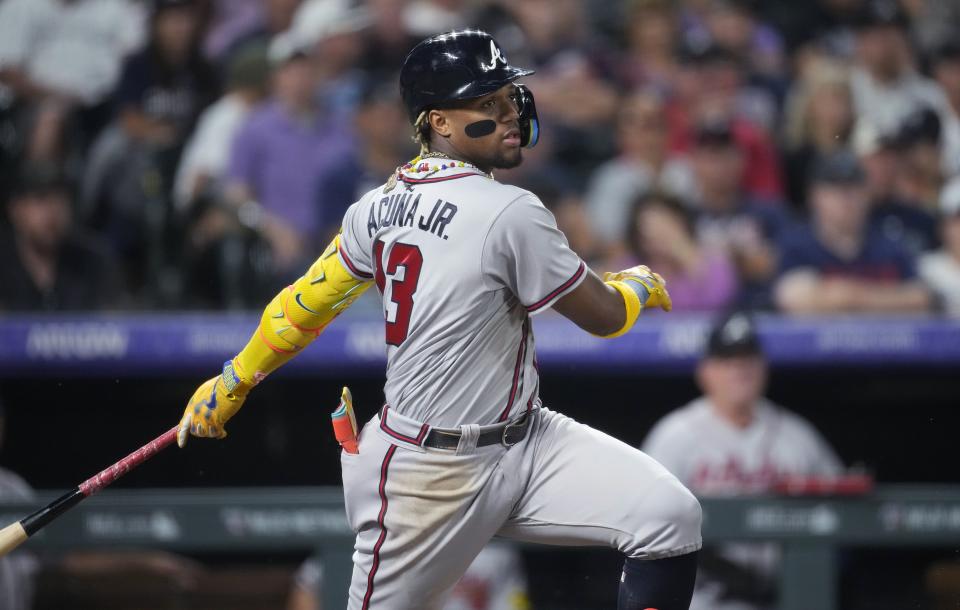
[
  {"x": 417, "y": 165},
  {"x": 423, "y": 169}
]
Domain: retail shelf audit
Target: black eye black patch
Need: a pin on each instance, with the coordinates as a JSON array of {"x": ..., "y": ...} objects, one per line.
[{"x": 480, "y": 129}]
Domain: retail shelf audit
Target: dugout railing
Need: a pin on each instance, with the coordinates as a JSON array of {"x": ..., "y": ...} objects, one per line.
[{"x": 811, "y": 530}]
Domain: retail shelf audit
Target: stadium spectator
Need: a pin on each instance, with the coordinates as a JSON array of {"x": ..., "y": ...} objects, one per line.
[
  {"x": 731, "y": 220},
  {"x": 333, "y": 30},
  {"x": 204, "y": 160},
  {"x": 230, "y": 21},
  {"x": 130, "y": 172},
  {"x": 643, "y": 164},
  {"x": 932, "y": 22},
  {"x": 278, "y": 155},
  {"x": 945, "y": 65},
  {"x": 839, "y": 264},
  {"x": 886, "y": 86},
  {"x": 819, "y": 120},
  {"x": 733, "y": 442},
  {"x": 389, "y": 40},
  {"x": 941, "y": 270},
  {"x": 51, "y": 266},
  {"x": 272, "y": 18},
  {"x": 424, "y": 18},
  {"x": 164, "y": 87},
  {"x": 71, "y": 50},
  {"x": 825, "y": 25},
  {"x": 734, "y": 25},
  {"x": 711, "y": 89},
  {"x": 57, "y": 56},
  {"x": 920, "y": 176},
  {"x": 661, "y": 235},
  {"x": 573, "y": 81},
  {"x": 898, "y": 219},
  {"x": 494, "y": 581},
  {"x": 650, "y": 60}
]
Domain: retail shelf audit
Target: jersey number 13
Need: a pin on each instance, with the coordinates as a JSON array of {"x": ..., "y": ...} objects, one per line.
[{"x": 403, "y": 271}]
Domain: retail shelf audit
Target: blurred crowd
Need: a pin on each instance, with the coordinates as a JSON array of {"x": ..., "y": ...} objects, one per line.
[{"x": 777, "y": 155}]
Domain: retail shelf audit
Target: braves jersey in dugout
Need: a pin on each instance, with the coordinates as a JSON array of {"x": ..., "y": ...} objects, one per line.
[{"x": 461, "y": 262}]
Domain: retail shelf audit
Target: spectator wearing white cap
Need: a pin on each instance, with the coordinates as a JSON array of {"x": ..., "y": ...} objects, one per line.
[
  {"x": 333, "y": 31},
  {"x": 941, "y": 269}
]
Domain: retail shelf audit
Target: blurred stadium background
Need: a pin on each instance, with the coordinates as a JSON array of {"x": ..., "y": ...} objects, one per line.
[{"x": 167, "y": 165}]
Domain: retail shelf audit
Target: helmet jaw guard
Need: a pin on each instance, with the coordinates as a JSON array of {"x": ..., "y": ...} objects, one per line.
[{"x": 529, "y": 120}]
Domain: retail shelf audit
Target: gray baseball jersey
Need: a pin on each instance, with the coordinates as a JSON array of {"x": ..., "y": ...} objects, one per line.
[
  {"x": 713, "y": 458},
  {"x": 461, "y": 262}
]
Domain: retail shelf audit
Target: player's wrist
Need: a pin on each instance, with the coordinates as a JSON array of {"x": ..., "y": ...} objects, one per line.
[
  {"x": 632, "y": 306},
  {"x": 234, "y": 381},
  {"x": 640, "y": 288}
]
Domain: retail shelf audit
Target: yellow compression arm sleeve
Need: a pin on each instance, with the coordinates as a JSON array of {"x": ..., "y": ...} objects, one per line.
[{"x": 298, "y": 315}]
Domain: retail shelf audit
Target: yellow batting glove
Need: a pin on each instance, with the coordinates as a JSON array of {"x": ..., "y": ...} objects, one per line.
[
  {"x": 213, "y": 404},
  {"x": 649, "y": 286}
]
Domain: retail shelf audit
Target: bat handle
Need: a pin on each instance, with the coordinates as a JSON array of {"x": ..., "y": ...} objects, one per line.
[
  {"x": 11, "y": 537},
  {"x": 112, "y": 473}
]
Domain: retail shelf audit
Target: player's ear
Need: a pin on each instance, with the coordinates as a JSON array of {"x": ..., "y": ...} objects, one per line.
[{"x": 439, "y": 123}]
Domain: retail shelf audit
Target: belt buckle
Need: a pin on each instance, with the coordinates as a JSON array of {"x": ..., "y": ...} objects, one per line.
[{"x": 506, "y": 429}]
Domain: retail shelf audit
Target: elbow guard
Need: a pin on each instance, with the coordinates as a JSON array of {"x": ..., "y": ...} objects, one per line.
[{"x": 298, "y": 314}]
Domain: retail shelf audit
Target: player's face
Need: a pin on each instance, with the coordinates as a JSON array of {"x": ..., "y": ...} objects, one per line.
[
  {"x": 486, "y": 131},
  {"x": 734, "y": 382}
]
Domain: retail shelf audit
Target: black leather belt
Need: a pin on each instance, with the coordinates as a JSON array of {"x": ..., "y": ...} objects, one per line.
[{"x": 507, "y": 435}]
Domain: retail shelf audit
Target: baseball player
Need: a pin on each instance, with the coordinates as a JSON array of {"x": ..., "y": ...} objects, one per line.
[
  {"x": 463, "y": 449},
  {"x": 732, "y": 441}
]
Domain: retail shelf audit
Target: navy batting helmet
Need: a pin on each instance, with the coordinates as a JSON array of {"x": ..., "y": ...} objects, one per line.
[{"x": 462, "y": 65}]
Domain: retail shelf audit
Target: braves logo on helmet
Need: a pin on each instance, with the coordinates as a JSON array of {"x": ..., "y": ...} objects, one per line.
[{"x": 495, "y": 54}]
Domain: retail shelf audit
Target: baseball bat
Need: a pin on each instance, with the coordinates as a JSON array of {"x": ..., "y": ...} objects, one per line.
[{"x": 15, "y": 534}]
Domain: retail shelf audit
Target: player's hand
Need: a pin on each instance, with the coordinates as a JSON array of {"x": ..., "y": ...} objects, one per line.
[
  {"x": 212, "y": 405},
  {"x": 651, "y": 288}
]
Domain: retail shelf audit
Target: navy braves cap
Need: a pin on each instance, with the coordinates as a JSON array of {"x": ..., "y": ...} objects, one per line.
[
  {"x": 920, "y": 126},
  {"x": 734, "y": 335},
  {"x": 841, "y": 167}
]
